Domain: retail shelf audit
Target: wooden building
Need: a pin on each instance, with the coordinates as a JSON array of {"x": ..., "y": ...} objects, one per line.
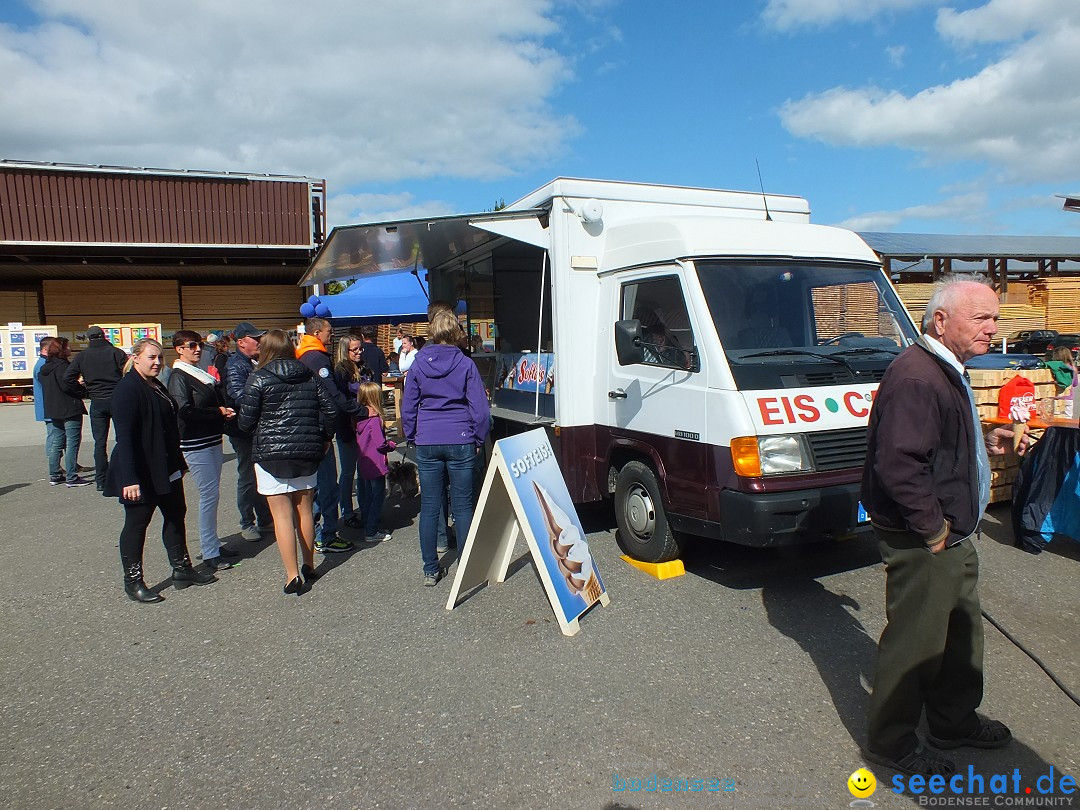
[{"x": 188, "y": 249}]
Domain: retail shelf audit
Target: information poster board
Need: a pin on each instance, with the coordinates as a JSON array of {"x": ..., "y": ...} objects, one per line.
[
  {"x": 121, "y": 335},
  {"x": 19, "y": 349},
  {"x": 524, "y": 492}
]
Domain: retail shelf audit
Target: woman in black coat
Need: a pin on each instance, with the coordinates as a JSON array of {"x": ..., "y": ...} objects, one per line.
[
  {"x": 293, "y": 420},
  {"x": 64, "y": 411},
  {"x": 146, "y": 472}
]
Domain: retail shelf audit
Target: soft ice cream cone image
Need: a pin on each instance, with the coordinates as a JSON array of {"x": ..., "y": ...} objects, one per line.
[
  {"x": 561, "y": 529},
  {"x": 568, "y": 544},
  {"x": 590, "y": 591}
]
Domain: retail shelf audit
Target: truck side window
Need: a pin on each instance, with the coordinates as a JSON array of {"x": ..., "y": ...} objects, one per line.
[{"x": 666, "y": 333}]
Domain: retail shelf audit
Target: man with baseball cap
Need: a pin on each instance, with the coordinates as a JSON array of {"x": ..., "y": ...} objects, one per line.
[
  {"x": 101, "y": 365},
  {"x": 255, "y": 517}
]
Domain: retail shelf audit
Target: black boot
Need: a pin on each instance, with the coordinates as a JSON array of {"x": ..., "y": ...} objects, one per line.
[
  {"x": 136, "y": 589},
  {"x": 183, "y": 574}
]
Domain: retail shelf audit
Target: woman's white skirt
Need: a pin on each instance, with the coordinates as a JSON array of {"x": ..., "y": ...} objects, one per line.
[{"x": 268, "y": 484}]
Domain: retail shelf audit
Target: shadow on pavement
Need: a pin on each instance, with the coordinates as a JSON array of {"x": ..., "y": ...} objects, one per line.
[
  {"x": 12, "y": 488},
  {"x": 1060, "y": 546},
  {"x": 823, "y": 624},
  {"x": 743, "y": 567}
]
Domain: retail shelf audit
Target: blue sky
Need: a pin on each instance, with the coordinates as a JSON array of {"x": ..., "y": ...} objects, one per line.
[{"x": 900, "y": 115}]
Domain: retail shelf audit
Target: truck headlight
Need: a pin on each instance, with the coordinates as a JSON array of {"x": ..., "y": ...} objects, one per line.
[{"x": 755, "y": 456}]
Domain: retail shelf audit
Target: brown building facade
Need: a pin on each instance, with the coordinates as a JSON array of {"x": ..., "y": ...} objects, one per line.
[{"x": 187, "y": 249}]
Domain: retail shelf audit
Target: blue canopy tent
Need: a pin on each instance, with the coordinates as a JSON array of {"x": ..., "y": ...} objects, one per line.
[{"x": 390, "y": 297}]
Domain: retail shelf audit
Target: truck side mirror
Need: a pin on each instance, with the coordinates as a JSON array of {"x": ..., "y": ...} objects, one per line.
[{"x": 628, "y": 346}]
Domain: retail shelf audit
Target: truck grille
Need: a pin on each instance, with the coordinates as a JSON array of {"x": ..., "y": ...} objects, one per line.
[
  {"x": 838, "y": 449},
  {"x": 840, "y": 376}
]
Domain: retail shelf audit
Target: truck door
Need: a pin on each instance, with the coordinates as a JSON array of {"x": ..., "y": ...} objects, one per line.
[{"x": 660, "y": 403}]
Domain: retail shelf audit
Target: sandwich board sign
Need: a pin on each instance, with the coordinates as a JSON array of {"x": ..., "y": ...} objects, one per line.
[{"x": 524, "y": 492}]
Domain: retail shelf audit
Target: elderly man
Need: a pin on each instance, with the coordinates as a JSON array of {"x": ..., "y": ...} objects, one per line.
[
  {"x": 255, "y": 518},
  {"x": 925, "y": 484}
]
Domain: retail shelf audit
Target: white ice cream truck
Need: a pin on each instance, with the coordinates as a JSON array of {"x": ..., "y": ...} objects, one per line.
[{"x": 705, "y": 358}]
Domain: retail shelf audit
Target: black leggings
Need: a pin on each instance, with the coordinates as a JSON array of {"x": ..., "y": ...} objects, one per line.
[{"x": 137, "y": 518}]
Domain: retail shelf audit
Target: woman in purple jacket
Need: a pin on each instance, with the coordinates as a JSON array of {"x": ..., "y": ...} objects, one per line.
[{"x": 445, "y": 413}]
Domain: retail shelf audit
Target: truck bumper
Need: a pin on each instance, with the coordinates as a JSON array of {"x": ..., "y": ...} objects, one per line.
[{"x": 789, "y": 518}]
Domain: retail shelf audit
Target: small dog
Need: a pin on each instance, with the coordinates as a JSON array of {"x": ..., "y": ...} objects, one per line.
[{"x": 402, "y": 479}]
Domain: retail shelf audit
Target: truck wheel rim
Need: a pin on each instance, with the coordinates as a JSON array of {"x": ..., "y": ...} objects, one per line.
[{"x": 640, "y": 514}]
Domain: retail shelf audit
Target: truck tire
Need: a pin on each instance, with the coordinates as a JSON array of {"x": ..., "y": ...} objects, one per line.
[{"x": 643, "y": 533}]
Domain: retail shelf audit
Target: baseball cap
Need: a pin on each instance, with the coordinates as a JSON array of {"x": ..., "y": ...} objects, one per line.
[
  {"x": 213, "y": 337},
  {"x": 95, "y": 331},
  {"x": 246, "y": 329}
]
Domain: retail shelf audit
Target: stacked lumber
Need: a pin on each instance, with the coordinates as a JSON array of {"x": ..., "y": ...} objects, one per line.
[
  {"x": 71, "y": 306},
  {"x": 211, "y": 308},
  {"x": 1060, "y": 299},
  {"x": 840, "y": 309},
  {"x": 22, "y": 306},
  {"x": 1020, "y": 317},
  {"x": 915, "y": 297},
  {"x": 986, "y": 384}
]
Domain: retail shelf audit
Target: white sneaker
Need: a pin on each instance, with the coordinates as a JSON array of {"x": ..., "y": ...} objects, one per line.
[
  {"x": 378, "y": 537},
  {"x": 251, "y": 533}
]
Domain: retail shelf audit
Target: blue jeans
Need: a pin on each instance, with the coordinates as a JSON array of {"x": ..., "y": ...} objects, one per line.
[
  {"x": 435, "y": 463},
  {"x": 325, "y": 508},
  {"x": 347, "y": 451},
  {"x": 372, "y": 495},
  {"x": 251, "y": 505},
  {"x": 63, "y": 433},
  {"x": 205, "y": 466}
]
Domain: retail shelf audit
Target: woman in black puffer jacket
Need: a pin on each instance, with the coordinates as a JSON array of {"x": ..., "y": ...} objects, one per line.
[{"x": 292, "y": 419}]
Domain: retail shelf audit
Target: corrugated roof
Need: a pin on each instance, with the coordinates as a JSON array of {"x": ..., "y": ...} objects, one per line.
[
  {"x": 914, "y": 246},
  {"x": 102, "y": 168}
]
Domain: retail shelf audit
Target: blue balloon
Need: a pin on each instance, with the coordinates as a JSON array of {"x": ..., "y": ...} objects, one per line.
[
  {"x": 313, "y": 300},
  {"x": 307, "y": 310},
  {"x": 322, "y": 310}
]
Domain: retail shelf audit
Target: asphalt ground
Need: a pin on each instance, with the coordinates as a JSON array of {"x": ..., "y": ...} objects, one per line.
[{"x": 751, "y": 670}]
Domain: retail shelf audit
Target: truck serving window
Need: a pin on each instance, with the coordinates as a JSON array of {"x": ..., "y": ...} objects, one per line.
[
  {"x": 776, "y": 313},
  {"x": 659, "y": 305}
]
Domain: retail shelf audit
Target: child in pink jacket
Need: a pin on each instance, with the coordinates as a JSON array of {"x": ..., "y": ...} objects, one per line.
[{"x": 371, "y": 466}]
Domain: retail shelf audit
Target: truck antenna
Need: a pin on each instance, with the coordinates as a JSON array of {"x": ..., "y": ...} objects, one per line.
[{"x": 768, "y": 217}]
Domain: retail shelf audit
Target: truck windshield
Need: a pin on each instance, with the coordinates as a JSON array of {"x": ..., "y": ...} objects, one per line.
[{"x": 788, "y": 311}]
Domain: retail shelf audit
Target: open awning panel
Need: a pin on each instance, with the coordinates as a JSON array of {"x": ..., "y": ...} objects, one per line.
[{"x": 357, "y": 250}]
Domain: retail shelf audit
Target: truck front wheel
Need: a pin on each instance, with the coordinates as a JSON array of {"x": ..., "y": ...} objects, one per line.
[{"x": 643, "y": 533}]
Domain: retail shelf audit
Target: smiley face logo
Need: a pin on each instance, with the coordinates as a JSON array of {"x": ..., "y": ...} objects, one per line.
[{"x": 862, "y": 784}]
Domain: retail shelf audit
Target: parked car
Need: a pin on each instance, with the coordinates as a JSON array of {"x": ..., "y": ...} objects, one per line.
[
  {"x": 1070, "y": 340},
  {"x": 1029, "y": 341}
]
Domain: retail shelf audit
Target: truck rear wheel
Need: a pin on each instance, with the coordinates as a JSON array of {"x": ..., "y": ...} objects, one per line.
[{"x": 643, "y": 533}]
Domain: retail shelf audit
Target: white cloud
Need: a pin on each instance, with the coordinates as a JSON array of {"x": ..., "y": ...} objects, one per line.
[
  {"x": 354, "y": 91},
  {"x": 787, "y": 15},
  {"x": 896, "y": 54},
  {"x": 969, "y": 207},
  {"x": 1019, "y": 114},
  {"x": 343, "y": 208},
  {"x": 1004, "y": 20}
]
